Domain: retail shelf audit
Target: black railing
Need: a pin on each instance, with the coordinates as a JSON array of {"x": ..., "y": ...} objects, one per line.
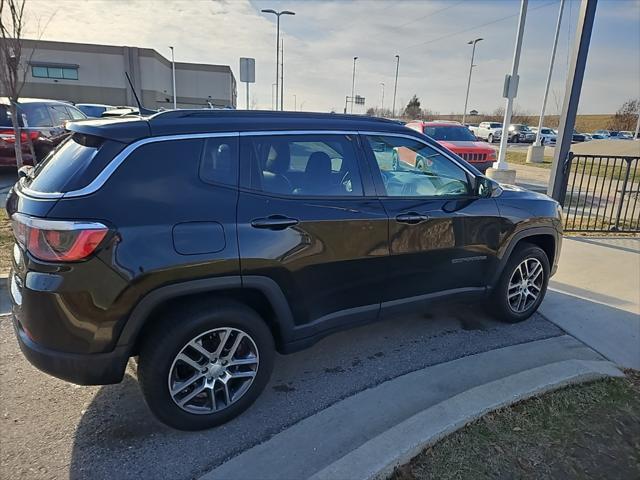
[{"x": 602, "y": 194}]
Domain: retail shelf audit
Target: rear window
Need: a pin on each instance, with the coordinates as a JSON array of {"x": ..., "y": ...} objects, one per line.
[{"x": 63, "y": 164}]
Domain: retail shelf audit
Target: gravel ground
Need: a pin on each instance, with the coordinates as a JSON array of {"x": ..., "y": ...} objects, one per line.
[{"x": 52, "y": 429}]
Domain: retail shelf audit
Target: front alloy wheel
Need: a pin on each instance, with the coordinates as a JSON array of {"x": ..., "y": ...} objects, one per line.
[
  {"x": 525, "y": 285},
  {"x": 522, "y": 284}
]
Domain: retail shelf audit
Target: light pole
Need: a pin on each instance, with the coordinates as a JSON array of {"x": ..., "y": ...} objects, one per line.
[
  {"x": 395, "y": 87},
  {"x": 546, "y": 88},
  {"x": 473, "y": 53},
  {"x": 382, "y": 102},
  {"x": 274, "y": 106},
  {"x": 500, "y": 170},
  {"x": 353, "y": 83},
  {"x": 295, "y": 102},
  {"x": 277, "y": 14},
  {"x": 173, "y": 79}
]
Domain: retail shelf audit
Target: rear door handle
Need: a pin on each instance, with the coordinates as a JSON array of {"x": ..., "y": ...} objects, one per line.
[
  {"x": 411, "y": 218},
  {"x": 274, "y": 222}
]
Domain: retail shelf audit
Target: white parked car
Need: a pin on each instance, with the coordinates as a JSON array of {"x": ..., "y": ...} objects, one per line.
[
  {"x": 489, "y": 131},
  {"x": 548, "y": 136}
]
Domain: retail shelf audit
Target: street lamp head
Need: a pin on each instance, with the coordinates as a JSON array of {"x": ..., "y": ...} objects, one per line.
[
  {"x": 355, "y": 58},
  {"x": 268, "y": 10},
  {"x": 473, "y": 42},
  {"x": 287, "y": 12},
  {"x": 398, "y": 57}
]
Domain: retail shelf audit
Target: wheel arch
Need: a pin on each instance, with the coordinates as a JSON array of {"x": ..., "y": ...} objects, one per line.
[
  {"x": 544, "y": 237},
  {"x": 259, "y": 293}
]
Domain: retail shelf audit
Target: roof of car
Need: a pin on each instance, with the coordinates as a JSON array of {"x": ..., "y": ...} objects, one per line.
[
  {"x": 176, "y": 122},
  {"x": 5, "y": 100},
  {"x": 443, "y": 124}
]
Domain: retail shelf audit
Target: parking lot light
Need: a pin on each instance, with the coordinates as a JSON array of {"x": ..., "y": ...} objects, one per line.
[
  {"x": 395, "y": 87},
  {"x": 277, "y": 14},
  {"x": 473, "y": 52}
]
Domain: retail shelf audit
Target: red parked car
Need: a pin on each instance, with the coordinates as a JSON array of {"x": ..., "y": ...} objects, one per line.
[
  {"x": 45, "y": 122},
  {"x": 458, "y": 139}
]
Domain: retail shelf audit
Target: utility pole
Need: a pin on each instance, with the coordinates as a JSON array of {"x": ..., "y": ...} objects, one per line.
[
  {"x": 173, "y": 79},
  {"x": 562, "y": 159},
  {"x": 274, "y": 105},
  {"x": 353, "y": 83},
  {"x": 382, "y": 102},
  {"x": 295, "y": 102},
  {"x": 500, "y": 170},
  {"x": 551, "y": 62},
  {"x": 395, "y": 87},
  {"x": 282, "y": 76},
  {"x": 473, "y": 53}
]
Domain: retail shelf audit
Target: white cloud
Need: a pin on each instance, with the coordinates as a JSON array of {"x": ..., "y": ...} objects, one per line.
[{"x": 324, "y": 36}]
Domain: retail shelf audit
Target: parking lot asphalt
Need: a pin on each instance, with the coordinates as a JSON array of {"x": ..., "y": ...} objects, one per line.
[{"x": 52, "y": 429}]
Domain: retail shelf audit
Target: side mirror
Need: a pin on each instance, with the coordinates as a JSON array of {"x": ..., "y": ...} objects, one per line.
[
  {"x": 25, "y": 171},
  {"x": 487, "y": 188}
]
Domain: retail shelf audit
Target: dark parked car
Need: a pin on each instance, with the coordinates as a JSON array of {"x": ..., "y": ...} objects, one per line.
[
  {"x": 94, "y": 110},
  {"x": 43, "y": 121},
  {"x": 204, "y": 241},
  {"x": 519, "y": 133}
]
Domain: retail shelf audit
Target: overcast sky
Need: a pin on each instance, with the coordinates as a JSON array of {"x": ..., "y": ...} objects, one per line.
[{"x": 322, "y": 39}]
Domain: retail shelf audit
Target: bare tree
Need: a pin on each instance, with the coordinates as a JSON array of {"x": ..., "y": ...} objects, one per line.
[
  {"x": 14, "y": 65},
  {"x": 626, "y": 117}
]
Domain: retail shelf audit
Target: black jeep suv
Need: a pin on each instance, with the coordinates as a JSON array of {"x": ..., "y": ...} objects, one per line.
[{"x": 202, "y": 242}]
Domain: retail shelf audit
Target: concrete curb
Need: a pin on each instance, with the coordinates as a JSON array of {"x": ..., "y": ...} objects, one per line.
[
  {"x": 377, "y": 458},
  {"x": 367, "y": 434}
]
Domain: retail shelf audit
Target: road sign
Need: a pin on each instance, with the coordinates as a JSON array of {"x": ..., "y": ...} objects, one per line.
[
  {"x": 248, "y": 70},
  {"x": 359, "y": 100}
]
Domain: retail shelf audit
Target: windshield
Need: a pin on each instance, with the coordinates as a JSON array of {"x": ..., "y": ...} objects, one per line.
[
  {"x": 450, "y": 133},
  {"x": 521, "y": 128}
]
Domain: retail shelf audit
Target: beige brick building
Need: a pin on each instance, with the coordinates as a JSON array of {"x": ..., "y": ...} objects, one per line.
[{"x": 88, "y": 73}]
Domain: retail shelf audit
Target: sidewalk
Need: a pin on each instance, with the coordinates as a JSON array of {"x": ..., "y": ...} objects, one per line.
[
  {"x": 595, "y": 296},
  {"x": 364, "y": 436}
]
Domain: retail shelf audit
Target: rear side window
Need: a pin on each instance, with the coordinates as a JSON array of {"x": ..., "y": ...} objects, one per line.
[
  {"x": 5, "y": 116},
  {"x": 36, "y": 114},
  {"x": 53, "y": 174},
  {"x": 219, "y": 161},
  {"x": 303, "y": 165},
  {"x": 59, "y": 114}
]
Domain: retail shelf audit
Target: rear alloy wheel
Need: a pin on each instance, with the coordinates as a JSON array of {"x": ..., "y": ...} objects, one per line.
[
  {"x": 213, "y": 370},
  {"x": 204, "y": 364},
  {"x": 522, "y": 285}
]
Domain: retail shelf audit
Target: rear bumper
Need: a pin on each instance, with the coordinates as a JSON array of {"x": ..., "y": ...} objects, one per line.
[{"x": 82, "y": 369}]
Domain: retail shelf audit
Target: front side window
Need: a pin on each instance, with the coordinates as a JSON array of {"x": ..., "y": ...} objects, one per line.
[
  {"x": 409, "y": 168},
  {"x": 59, "y": 114},
  {"x": 219, "y": 161},
  {"x": 303, "y": 165}
]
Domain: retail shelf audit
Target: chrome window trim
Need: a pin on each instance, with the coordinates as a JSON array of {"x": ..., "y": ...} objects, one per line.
[
  {"x": 98, "y": 182},
  {"x": 298, "y": 132},
  {"x": 437, "y": 149}
]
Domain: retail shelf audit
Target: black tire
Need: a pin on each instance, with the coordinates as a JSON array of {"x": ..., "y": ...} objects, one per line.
[
  {"x": 498, "y": 302},
  {"x": 173, "y": 332}
]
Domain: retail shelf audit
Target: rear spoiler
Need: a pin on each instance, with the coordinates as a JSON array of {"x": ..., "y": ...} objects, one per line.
[{"x": 124, "y": 130}]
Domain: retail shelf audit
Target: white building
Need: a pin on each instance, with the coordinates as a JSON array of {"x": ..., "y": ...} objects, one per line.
[{"x": 88, "y": 73}]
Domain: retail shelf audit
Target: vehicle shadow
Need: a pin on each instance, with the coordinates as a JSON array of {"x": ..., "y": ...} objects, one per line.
[{"x": 117, "y": 437}]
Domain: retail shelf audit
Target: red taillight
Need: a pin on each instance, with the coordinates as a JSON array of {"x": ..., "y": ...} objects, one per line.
[
  {"x": 9, "y": 135},
  {"x": 57, "y": 240}
]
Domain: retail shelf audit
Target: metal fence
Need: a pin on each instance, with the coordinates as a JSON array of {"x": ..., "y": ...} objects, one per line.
[{"x": 602, "y": 194}]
